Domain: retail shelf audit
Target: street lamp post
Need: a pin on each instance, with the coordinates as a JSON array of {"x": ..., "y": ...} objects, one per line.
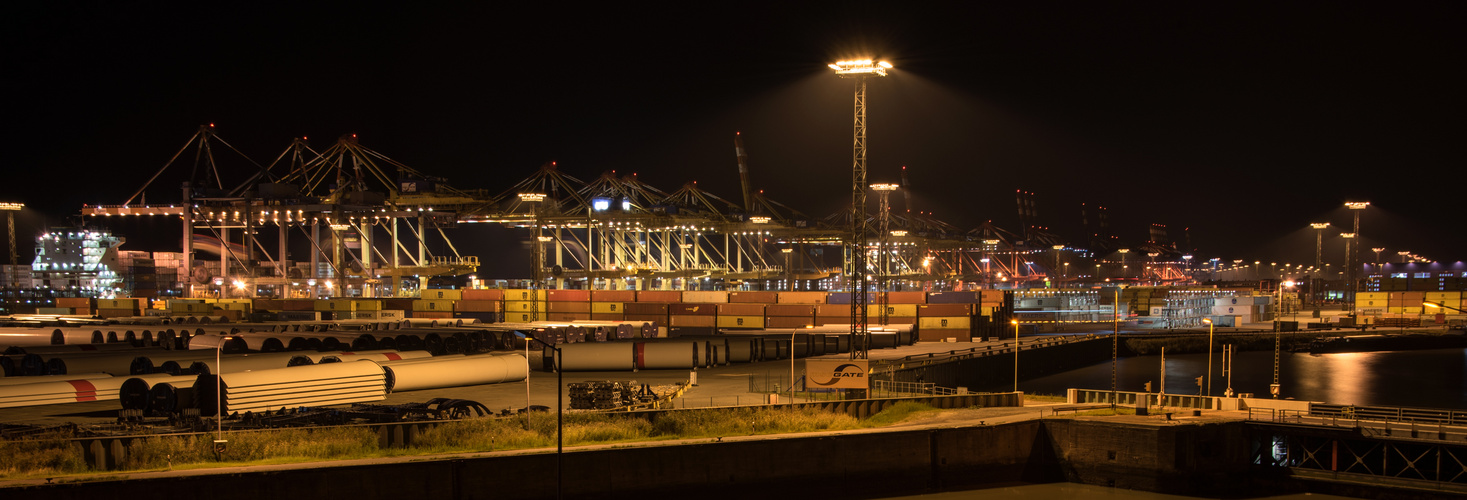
[
  {"x": 1123, "y": 252},
  {"x": 559, "y": 414},
  {"x": 1015, "y": 322},
  {"x": 1209, "y": 354},
  {"x": 219, "y": 440}
]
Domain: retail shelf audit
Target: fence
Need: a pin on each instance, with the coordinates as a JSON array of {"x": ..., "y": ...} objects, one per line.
[{"x": 1136, "y": 398}]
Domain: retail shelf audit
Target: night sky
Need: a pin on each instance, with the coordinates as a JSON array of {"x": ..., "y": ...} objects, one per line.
[{"x": 1242, "y": 122}]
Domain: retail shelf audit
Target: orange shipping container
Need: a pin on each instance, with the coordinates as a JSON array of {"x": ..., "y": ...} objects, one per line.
[
  {"x": 613, "y": 296},
  {"x": 741, "y": 309},
  {"x": 753, "y": 297},
  {"x": 790, "y": 310},
  {"x": 802, "y": 297},
  {"x": 694, "y": 321}
]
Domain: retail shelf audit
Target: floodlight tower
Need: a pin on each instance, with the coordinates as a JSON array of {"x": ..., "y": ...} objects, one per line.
[
  {"x": 883, "y": 255},
  {"x": 1352, "y": 258},
  {"x": 10, "y": 210},
  {"x": 1314, "y": 293},
  {"x": 859, "y": 70}
]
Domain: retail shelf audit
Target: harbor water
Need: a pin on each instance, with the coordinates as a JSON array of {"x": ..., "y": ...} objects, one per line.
[{"x": 1435, "y": 378}]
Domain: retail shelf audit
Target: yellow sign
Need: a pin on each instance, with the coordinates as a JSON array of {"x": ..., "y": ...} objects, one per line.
[{"x": 837, "y": 373}]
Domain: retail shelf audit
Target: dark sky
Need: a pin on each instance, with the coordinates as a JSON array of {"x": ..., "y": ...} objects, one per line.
[{"x": 1242, "y": 122}]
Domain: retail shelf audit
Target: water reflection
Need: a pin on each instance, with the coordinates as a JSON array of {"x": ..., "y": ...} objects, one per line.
[{"x": 1434, "y": 378}]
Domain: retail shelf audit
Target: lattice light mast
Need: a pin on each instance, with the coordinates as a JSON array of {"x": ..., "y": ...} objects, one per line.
[
  {"x": 883, "y": 255},
  {"x": 855, "y": 264},
  {"x": 1353, "y": 257},
  {"x": 10, "y": 210},
  {"x": 1314, "y": 292}
]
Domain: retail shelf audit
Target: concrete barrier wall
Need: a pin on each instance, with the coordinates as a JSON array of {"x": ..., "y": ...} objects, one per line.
[{"x": 1191, "y": 459}]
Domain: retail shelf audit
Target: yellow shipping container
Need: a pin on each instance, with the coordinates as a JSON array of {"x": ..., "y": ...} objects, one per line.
[
  {"x": 606, "y": 308},
  {"x": 117, "y": 304},
  {"x": 233, "y": 306},
  {"x": 367, "y": 305},
  {"x": 940, "y": 322},
  {"x": 440, "y": 294},
  {"x": 894, "y": 309},
  {"x": 525, "y": 306},
  {"x": 432, "y": 305},
  {"x": 190, "y": 307},
  {"x": 1447, "y": 298},
  {"x": 521, "y": 294},
  {"x": 1359, "y": 296},
  {"x": 336, "y": 305},
  {"x": 741, "y": 322},
  {"x": 1404, "y": 310}
]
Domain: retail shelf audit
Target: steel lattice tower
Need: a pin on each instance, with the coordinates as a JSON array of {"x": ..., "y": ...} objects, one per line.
[{"x": 855, "y": 266}]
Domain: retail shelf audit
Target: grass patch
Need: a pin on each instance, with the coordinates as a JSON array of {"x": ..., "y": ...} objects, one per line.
[
  {"x": 56, "y": 455},
  {"x": 1045, "y": 398},
  {"x": 1107, "y": 412},
  {"x": 897, "y": 413},
  {"x": 51, "y": 454}
]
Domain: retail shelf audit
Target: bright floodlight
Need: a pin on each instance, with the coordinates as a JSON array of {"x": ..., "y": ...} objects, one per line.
[
  {"x": 11, "y": 206},
  {"x": 1319, "y": 225},
  {"x": 1357, "y": 205},
  {"x": 884, "y": 187},
  {"x": 1347, "y": 235},
  {"x": 860, "y": 68},
  {"x": 532, "y": 197}
]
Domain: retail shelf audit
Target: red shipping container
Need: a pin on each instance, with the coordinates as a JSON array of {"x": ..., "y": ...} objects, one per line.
[
  {"x": 476, "y": 306},
  {"x": 925, "y": 310},
  {"x": 659, "y": 296},
  {"x": 741, "y": 309},
  {"x": 903, "y": 298},
  {"x": 483, "y": 294},
  {"x": 268, "y": 304},
  {"x": 607, "y": 317},
  {"x": 568, "y": 295},
  {"x": 653, "y": 318},
  {"x": 753, "y": 297},
  {"x": 693, "y": 310},
  {"x": 613, "y": 296},
  {"x": 396, "y": 304},
  {"x": 300, "y": 305}
]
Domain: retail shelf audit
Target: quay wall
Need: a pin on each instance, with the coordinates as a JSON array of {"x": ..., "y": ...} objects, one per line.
[{"x": 1184, "y": 459}]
